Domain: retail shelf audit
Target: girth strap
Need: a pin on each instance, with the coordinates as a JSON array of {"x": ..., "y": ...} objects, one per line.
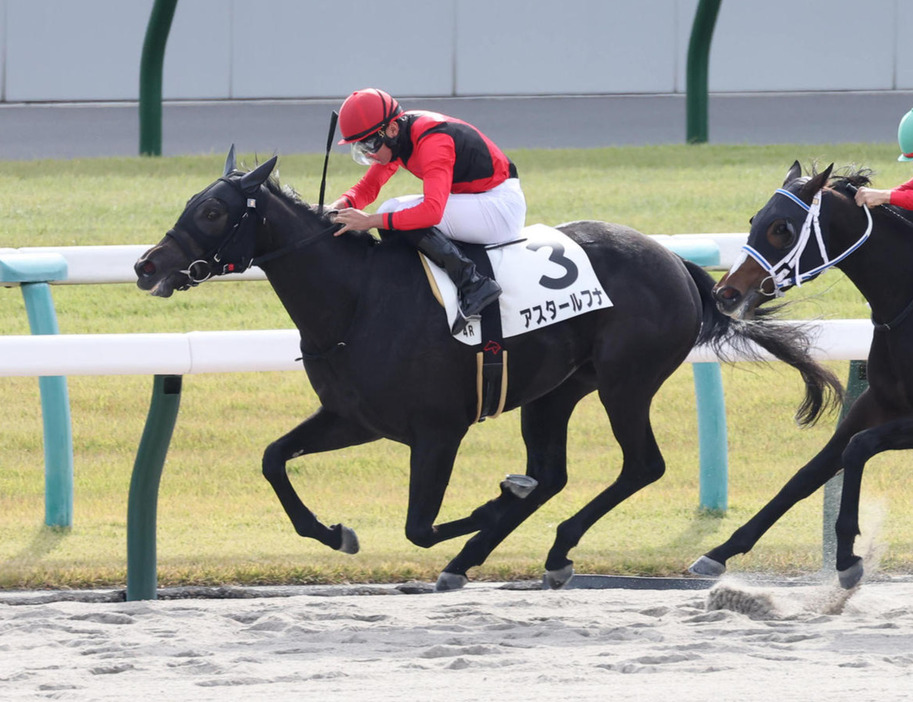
[{"x": 491, "y": 384}]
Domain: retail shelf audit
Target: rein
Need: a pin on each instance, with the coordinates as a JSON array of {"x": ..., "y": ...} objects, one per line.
[{"x": 786, "y": 271}]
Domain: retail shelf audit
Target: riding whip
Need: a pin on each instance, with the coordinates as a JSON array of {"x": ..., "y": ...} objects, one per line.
[{"x": 323, "y": 180}]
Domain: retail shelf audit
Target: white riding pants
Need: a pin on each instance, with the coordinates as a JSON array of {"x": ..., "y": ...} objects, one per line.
[{"x": 493, "y": 217}]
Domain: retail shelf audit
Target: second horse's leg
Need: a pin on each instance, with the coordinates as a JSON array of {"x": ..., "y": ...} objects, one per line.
[
  {"x": 893, "y": 436},
  {"x": 803, "y": 484},
  {"x": 323, "y": 431}
]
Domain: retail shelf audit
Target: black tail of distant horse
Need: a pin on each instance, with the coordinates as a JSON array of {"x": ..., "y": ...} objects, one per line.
[{"x": 379, "y": 354}]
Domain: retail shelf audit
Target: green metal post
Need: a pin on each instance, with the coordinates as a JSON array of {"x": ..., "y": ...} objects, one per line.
[
  {"x": 142, "y": 504},
  {"x": 150, "y": 77},
  {"x": 55, "y": 413},
  {"x": 698, "y": 68},
  {"x": 855, "y": 386},
  {"x": 712, "y": 436}
]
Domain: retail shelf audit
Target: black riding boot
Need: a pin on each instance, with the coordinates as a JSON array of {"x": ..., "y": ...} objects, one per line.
[{"x": 476, "y": 290}]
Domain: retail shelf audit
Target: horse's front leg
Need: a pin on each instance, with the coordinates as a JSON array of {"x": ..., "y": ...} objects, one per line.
[
  {"x": 430, "y": 466},
  {"x": 893, "y": 436},
  {"x": 323, "y": 431},
  {"x": 807, "y": 480}
]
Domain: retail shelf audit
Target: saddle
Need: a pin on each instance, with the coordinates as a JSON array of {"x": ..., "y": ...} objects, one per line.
[{"x": 545, "y": 278}]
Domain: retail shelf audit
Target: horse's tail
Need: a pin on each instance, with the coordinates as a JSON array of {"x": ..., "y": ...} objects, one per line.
[{"x": 786, "y": 342}]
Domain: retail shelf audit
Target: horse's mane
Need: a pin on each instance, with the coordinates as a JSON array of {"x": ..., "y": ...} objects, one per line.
[
  {"x": 857, "y": 176},
  {"x": 290, "y": 196}
]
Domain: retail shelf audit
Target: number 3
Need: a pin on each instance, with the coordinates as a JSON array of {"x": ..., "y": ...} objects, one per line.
[{"x": 557, "y": 256}]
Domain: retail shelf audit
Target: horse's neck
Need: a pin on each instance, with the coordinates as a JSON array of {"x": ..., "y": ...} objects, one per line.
[
  {"x": 317, "y": 280},
  {"x": 880, "y": 268}
]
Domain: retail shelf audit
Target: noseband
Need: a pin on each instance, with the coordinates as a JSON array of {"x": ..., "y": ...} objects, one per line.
[{"x": 785, "y": 272}]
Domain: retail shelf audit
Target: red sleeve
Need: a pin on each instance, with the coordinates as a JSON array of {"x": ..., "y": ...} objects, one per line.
[
  {"x": 902, "y": 195},
  {"x": 432, "y": 161},
  {"x": 365, "y": 191}
]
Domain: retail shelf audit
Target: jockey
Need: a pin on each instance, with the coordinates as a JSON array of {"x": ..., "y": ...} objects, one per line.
[
  {"x": 902, "y": 195},
  {"x": 470, "y": 189}
]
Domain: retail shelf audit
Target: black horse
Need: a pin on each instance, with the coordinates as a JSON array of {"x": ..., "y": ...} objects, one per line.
[
  {"x": 874, "y": 249},
  {"x": 378, "y": 352}
]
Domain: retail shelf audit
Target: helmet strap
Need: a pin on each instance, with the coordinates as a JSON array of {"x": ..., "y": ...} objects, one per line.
[{"x": 394, "y": 143}]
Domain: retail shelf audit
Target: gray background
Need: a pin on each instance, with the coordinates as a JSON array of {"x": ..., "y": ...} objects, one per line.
[
  {"x": 583, "y": 73},
  {"x": 60, "y": 50},
  {"x": 70, "y": 131}
]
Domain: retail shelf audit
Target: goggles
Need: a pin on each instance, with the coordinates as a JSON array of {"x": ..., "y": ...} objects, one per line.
[{"x": 367, "y": 147}]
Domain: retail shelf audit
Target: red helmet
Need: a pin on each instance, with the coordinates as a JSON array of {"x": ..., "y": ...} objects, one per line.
[{"x": 365, "y": 112}]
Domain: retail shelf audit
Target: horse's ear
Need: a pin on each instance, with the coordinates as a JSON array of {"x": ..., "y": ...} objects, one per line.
[
  {"x": 794, "y": 172},
  {"x": 258, "y": 176},
  {"x": 230, "y": 165},
  {"x": 808, "y": 191}
]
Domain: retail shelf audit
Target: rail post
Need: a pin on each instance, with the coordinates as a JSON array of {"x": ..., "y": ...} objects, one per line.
[
  {"x": 142, "y": 504},
  {"x": 712, "y": 436},
  {"x": 32, "y": 272}
]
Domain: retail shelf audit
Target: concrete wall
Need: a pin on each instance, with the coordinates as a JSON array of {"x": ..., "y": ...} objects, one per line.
[{"x": 66, "y": 50}]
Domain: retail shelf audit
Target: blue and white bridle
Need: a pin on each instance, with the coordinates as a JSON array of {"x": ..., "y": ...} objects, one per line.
[{"x": 786, "y": 271}]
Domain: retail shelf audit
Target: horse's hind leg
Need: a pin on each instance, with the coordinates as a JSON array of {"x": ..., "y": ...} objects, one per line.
[
  {"x": 628, "y": 407},
  {"x": 323, "y": 431},
  {"x": 544, "y": 425}
]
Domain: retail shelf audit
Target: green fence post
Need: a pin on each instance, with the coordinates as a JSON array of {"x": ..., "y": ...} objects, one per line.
[
  {"x": 855, "y": 386},
  {"x": 150, "y": 77},
  {"x": 698, "y": 68},
  {"x": 142, "y": 505}
]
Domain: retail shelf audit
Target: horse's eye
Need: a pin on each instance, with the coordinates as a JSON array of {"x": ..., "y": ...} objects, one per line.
[
  {"x": 212, "y": 215},
  {"x": 781, "y": 234}
]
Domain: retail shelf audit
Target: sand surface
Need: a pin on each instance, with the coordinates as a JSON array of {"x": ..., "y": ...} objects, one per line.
[{"x": 732, "y": 642}]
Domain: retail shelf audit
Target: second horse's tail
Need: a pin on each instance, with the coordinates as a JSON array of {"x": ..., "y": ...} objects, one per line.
[{"x": 786, "y": 342}]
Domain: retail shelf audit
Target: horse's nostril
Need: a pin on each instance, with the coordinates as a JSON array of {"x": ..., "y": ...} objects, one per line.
[
  {"x": 146, "y": 268},
  {"x": 727, "y": 293}
]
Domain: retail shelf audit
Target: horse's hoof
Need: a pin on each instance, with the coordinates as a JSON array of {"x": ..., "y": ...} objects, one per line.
[
  {"x": 349, "y": 540},
  {"x": 850, "y": 577},
  {"x": 450, "y": 581},
  {"x": 519, "y": 485},
  {"x": 707, "y": 567},
  {"x": 557, "y": 579}
]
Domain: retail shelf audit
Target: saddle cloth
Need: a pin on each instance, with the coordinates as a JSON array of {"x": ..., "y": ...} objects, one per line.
[{"x": 545, "y": 278}]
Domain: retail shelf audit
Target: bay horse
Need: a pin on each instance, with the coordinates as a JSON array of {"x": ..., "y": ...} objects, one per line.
[
  {"x": 810, "y": 224},
  {"x": 378, "y": 352}
]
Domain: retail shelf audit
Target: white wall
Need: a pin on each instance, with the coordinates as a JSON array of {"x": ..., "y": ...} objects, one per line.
[{"x": 53, "y": 50}]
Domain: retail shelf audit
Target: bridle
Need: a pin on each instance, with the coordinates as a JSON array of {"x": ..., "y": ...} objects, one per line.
[
  {"x": 785, "y": 272},
  {"x": 234, "y": 252}
]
